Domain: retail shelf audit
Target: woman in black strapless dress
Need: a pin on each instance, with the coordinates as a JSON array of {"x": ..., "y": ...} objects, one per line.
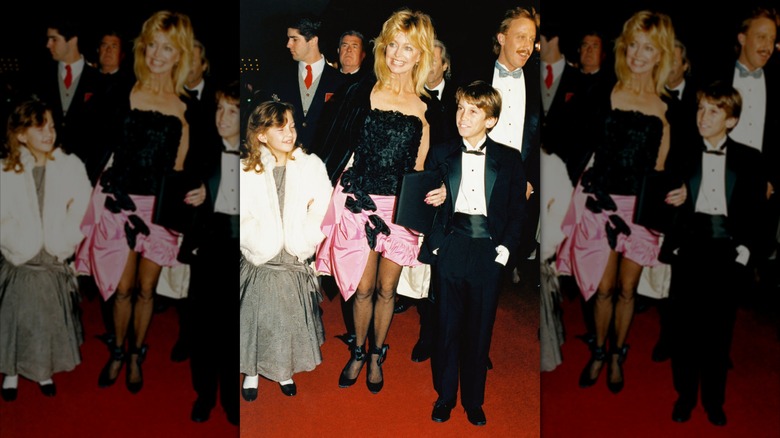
[
  {"x": 603, "y": 249},
  {"x": 386, "y": 120},
  {"x": 123, "y": 250}
]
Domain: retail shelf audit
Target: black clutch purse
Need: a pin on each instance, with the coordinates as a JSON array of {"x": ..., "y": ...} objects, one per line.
[
  {"x": 170, "y": 211},
  {"x": 651, "y": 210},
  {"x": 411, "y": 211}
]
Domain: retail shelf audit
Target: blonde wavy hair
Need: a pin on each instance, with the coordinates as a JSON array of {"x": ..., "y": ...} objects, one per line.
[
  {"x": 659, "y": 29},
  {"x": 267, "y": 115},
  {"x": 418, "y": 27},
  {"x": 178, "y": 28}
]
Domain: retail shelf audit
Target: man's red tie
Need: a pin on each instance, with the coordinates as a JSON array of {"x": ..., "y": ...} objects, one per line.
[
  {"x": 548, "y": 80},
  {"x": 68, "y": 76},
  {"x": 307, "y": 81}
]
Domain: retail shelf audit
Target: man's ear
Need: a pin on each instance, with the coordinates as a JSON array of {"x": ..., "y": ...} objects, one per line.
[
  {"x": 491, "y": 122},
  {"x": 731, "y": 122}
]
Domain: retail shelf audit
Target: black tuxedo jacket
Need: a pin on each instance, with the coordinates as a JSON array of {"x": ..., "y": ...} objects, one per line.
[
  {"x": 555, "y": 124},
  {"x": 505, "y": 185},
  {"x": 745, "y": 198},
  {"x": 684, "y": 137},
  {"x": 533, "y": 110},
  {"x": 283, "y": 84},
  {"x": 448, "y": 107},
  {"x": 76, "y": 130}
]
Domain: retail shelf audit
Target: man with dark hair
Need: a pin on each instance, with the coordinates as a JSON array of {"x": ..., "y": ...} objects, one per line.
[
  {"x": 308, "y": 83},
  {"x": 69, "y": 85}
]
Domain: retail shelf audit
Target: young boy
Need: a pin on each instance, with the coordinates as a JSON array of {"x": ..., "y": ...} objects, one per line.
[
  {"x": 479, "y": 223},
  {"x": 710, "y": 248}
]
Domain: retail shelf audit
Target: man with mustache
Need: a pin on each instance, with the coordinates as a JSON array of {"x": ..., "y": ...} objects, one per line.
[
  {"x": 517, "y": 80},
  {"x": 759, "y": 85}
]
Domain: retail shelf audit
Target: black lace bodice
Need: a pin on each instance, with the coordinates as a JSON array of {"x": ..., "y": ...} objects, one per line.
[
  {"x": 629, "y": 150},
  {"x": 387, "y": 149},
  {"x": 148, "y": 149}
]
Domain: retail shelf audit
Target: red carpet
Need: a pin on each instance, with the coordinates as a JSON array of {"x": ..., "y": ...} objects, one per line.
[
  {"x": 81, "y": 409},
  {"x": 403, "y": 407},
  {"x": 644, "y": 407}
]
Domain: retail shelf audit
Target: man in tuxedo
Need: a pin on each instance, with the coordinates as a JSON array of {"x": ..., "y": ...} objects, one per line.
[
  {"x": 441, "y": 86},
  {"x": 308, "y": 83},
  {"x": 202, "y": 90},
  {"x": 683, "y": 105},
  {"x": 478, "y": 226},
  {"x": 759, "y": 86},
  {"x": 211, "y": 248},
  {"x": 709, "y": 248},
  {"x": 69, "y": 86}
]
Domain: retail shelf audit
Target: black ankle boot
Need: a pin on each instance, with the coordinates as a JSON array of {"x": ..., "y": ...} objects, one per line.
[
  {"x": 117, "y": 355},
  {"x": 134, "y": 387},
  {"x": 358, "y": 355},
  {"x": 597, "y": 354},
  {"x": 382, "y": 352},
  {"x": 621, "y": 354}
]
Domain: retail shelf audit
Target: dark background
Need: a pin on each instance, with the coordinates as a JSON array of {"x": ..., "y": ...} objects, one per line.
[
  {"x": 709, "y": 31},
  {"x": 466, "y": 29},
  {"x": 23, "y": 30}
]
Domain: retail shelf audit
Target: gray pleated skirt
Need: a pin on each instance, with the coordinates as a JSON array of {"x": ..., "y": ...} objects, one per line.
[{"x": 281, "y": 327}]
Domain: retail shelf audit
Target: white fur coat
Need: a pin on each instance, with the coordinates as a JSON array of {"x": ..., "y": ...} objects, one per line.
[
  {"x": 66, "y": 193},
  {"x": 264, "y": 232}
]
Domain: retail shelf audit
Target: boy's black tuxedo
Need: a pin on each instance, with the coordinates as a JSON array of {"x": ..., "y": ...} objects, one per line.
[{"x": 464, "y": 267}]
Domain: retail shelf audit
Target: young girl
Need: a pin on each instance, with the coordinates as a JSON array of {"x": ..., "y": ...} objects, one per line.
[
  {"x": 43, "y": 197},
  {"x": 283, "y": 198}
]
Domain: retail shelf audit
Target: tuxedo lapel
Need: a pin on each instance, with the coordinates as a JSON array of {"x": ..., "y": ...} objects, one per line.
[
  {"x": 455, "y": 164},
  {"x": 491, "y": 169},
  {"x": 731, "y": 174},
  {"x": 696, "y": 181}
]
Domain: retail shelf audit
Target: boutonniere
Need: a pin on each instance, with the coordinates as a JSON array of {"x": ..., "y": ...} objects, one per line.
[
  {"x": 328, "y": 96},
  {"x": 568, "y": 96},
  {"x": 87, "y": 96}
]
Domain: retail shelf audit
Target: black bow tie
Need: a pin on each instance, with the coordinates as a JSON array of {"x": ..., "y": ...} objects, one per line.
[
  {"x": 193, "y": 93},
  {"x": 433, "y": 93},
  {"x": 743, "y": 72},
  {"x": 674, "y": 93},
  {"x": 720, "y": 151},
  {"x": 480, "y": 151},
  {"x": 225, "y": 150},
  {"x": 503, "y": 72}
]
